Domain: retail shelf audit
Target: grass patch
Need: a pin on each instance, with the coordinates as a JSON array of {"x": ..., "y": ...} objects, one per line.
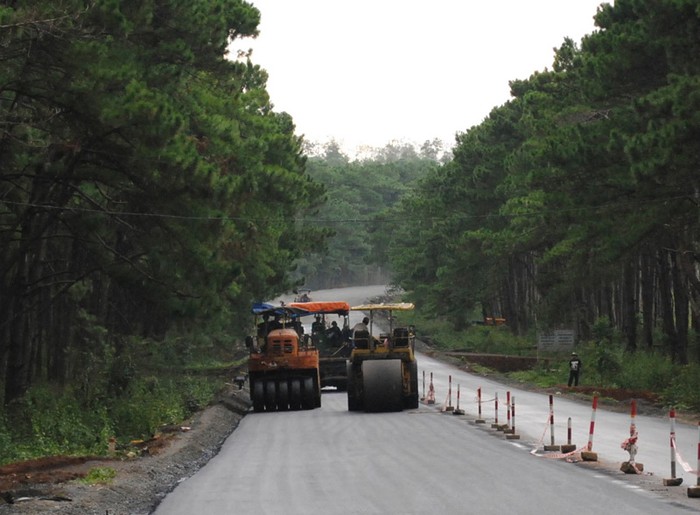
[
  {"x": 543, "y": 378},
  {"x": 99, "y": 476}
]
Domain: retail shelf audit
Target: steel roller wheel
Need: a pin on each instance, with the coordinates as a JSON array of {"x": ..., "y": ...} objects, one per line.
[
  {"x": 282, "y": 395},
  {"x": 383, "y": 385},
  {"x": 295, "y": 394},
  {"x": 270, "y": 396},
  {"x": 258, "y": 396}
]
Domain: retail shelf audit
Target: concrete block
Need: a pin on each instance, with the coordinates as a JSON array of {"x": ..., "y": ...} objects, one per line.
[
  {"x": 631, "y": 468},
  {"x": 589, "y": 456},
  {"x": 673, "y": 481}
]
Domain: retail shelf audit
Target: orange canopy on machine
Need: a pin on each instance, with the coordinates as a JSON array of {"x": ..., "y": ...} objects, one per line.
[{"x": 340, "y": 308}]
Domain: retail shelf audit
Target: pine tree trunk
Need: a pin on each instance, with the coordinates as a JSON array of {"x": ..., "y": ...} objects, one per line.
[
  {"x": 629, "y": 305},
  {"x": 681, "y": 310},
  {"x": 666, "y": 305},
  {"x": 647, "y": 294}
]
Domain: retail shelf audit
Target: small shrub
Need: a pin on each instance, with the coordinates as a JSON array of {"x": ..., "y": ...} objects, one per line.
[
  {"x": 7, "y": 448},
  {"x": 605, "y": 362},
  {"x": 682, "y": 391},
  {"x": 646, "y": 371},
  {"x": 148, "y": 404}
]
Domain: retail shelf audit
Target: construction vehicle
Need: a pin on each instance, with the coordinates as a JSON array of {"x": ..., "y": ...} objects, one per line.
[
  {"x": 383, "y": 372},
  {"x": 283, "y": 369},
  {"x": 332, "y": 341},
  {"x": 302, "y": 295}
]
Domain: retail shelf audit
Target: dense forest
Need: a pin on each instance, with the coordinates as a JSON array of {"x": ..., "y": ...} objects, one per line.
[
  {"x": 577, "y": 200},
  {"x": 147, "y": 186},
  {"x": 149, "y": 192},
  {"x": 360, "y": 193}
]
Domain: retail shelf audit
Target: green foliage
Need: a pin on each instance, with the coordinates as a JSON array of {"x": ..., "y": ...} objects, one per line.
[
  {"x": 544, "y": 375},
  {"x": 441, "y": 333},
  {"x": 99, "y": 476},
  {"x": 682, "y": 388},
  {"x": 47, "y": 422},
  {"x": 148, "y": 187},
  {"x": 153, "y": 401},
  {"x": 579, "y": 186},
  {"x": 357, "y": 210},
  {"x": 606, "y": 359},
  {"x": 8, "y": 449},
  {"x": 647, "y": 371}
]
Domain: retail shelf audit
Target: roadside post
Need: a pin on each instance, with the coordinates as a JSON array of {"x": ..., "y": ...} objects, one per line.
[
  {"x": 508, "y": 428},
  {"x": 448, "y": 403},
  {"x": 673, "y": 480},
  {"x": 457, "y": 410},
  {"x": 569, "y": 447},
  {"x": 694, "y": 491},
  {"x": 630, "y": 444},
  {"x": 512, "y": 435},
  {"x": 431, "y": 391},
  {"x": 551, "y": 446},
  {"x": 588, "y": 454},
  {"x": 479, "y": 420},
  {"x": 495, "y": 420}
]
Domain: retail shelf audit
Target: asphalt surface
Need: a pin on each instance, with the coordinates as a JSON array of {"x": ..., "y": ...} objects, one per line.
[{"x": 332, "y": 461}]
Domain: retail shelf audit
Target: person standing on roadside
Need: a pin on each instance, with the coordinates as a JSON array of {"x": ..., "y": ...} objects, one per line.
[{"x": 574, "y": 369}]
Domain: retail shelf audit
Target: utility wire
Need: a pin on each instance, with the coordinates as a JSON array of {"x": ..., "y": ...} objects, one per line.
[{"x": 534, "y": 213}]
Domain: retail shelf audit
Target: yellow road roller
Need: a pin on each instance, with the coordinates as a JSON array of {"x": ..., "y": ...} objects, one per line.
[{"x": 382, "y": 370}]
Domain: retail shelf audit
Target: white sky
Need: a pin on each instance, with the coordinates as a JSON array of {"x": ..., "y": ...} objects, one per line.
[{"x": 366, "y": 72}]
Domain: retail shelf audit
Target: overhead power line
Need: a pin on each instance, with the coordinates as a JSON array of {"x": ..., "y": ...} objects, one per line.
[{"x": 534, "y": 213}]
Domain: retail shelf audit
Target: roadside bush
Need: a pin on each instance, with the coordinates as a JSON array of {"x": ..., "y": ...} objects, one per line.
[
  {"x": 148, "y": 404},
  {"x": 476, "y": 338},
  {"x": 602, "y": 363},
  {"x": 681, "y": 391},
  {"x": 153, "y": 402},
  {"x": 6, "y": 444},
  {"x": 53, "y": 422},
  {"x": 197, "y": 393},
  {"x": 646, "y": 371}
]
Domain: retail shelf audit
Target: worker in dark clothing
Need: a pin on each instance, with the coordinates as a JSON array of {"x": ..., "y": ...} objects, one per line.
[
  {"x": 574, "y": 369},
  {"x": 334, "y": 334},
  {"x": 264, "y": 326},
  {"x": 318, "y": 326}
]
